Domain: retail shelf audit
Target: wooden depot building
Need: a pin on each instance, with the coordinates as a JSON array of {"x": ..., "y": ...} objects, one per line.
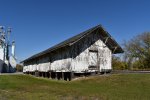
[{"x": 87, "y": 53}]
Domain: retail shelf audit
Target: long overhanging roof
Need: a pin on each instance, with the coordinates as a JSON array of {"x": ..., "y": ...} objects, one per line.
[{"x": 106, "y": 38}]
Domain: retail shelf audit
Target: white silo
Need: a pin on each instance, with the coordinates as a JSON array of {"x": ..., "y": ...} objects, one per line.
[{"x": 13, "y": 49}]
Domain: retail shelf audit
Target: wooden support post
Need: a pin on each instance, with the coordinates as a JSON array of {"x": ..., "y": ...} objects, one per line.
[
  {"x": 65, "y": 76},
  {"x": 36, "y": 73},
  {"x": 70, "y": 76},
  {"x": 45, "y": 74},
  {"x": 55, "y": 75},
  {"x": 58, "y": 75},
  {"x": 40, "y": 74},
  {"x": 62, "y": 75},
  {"x": 50, "y": 75}
]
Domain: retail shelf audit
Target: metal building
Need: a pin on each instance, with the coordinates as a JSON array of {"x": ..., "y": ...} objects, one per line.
[
  {"x": 7, "y": 59},
  {"x": 87, "y": 53}
]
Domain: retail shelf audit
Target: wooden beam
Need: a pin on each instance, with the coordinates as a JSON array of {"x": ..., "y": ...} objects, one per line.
[
  {"x": 97, "y": 31},
  {"x": 106, "y": 40},
  {"x": 115, "y": 49}
]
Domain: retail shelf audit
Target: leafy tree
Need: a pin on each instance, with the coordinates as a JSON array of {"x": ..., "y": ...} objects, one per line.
[
  {"x": 19, "y": 68},
  {"x": 137, "y": 51},
  {"x": 117, "y": 64}
]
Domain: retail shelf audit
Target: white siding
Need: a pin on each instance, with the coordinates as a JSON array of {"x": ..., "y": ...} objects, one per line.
[
  {"x": 82, "y": 61},
  {"x": 43, "y": 64},
  {"x": 68, "y": 60},
  {"x": 1, "y": 53},
  {"x": 61, "y": 65}
]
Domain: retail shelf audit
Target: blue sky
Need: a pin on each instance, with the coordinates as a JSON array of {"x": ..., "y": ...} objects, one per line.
[{"x": 40, "y": 24}]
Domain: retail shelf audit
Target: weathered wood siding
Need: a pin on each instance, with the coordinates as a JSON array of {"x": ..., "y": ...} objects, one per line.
[
  {"x": 89, "y": 51},
  {"x": 43, "y": 64},
  {"x": 81, "y": 62},
  {"x": 61, "y": 60}
]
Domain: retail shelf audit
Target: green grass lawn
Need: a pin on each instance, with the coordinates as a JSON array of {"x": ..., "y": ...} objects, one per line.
[{"x": 111, "y": 87}]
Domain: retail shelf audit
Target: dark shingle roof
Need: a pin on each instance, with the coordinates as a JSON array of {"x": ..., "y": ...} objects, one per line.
[{"x": 111, "y": 42}]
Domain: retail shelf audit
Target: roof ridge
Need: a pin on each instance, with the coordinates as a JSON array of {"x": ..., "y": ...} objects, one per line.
[
  {"x": 70, "y": 41},
  {"x": 63, "y": 43}
]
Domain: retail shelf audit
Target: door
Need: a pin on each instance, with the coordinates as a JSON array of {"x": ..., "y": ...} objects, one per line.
[{"x": 93, "y": 60}]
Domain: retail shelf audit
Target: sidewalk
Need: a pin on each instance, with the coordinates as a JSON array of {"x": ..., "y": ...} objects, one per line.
[{"x": 16, "y": 73}]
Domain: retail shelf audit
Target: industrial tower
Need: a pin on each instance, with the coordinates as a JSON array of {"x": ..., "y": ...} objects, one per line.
[{"x": 7, "y": 58}]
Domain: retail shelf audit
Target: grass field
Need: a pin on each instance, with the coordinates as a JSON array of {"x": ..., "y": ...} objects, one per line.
[{"x": 111, "y": 87}]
